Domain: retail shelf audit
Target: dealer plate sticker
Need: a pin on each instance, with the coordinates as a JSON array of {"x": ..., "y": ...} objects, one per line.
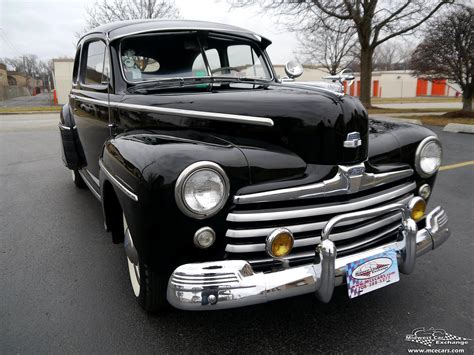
[{"x": 371, "y": 273}]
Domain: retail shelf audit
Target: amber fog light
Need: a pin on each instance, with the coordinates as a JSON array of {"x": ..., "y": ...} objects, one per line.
[
  {"x": 279, "y": 243},
  {"x": 417, "y": 208},
  {"x": 204, "y": 237}
]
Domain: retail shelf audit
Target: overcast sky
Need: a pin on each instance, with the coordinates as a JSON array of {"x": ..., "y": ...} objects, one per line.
[{"x": 47, "y": 27}]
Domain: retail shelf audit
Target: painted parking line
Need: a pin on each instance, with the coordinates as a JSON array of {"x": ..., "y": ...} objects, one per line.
[{"x": 457, "y": 165}]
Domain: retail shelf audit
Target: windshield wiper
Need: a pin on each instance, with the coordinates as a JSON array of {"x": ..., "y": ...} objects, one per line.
[
  {"x": 167, "y": 83},
  {"x": 220, "y": 79}
]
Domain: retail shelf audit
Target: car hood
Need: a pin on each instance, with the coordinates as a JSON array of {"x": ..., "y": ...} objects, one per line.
[{"x": 310, "y": 125}]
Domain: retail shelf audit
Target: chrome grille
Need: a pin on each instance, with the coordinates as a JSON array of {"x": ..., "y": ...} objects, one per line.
[{"x": 249, "y": 225}]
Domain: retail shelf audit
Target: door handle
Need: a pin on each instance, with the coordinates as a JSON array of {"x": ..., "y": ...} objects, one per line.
[{"x": 113, "y": 125}]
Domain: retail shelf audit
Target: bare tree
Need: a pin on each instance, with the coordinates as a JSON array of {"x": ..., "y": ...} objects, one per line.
[
  {"x": 447, "y": 51},
  {"x": 328, "y": 45},
  {"x": 376, "y": 21},
  {"x": 105, "y": 11},
  {"x": 392, "y": 55},
  {"x": 27, "y": 63}
]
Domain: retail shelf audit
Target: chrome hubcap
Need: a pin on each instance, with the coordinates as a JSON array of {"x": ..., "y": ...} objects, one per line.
[{"x": 133, "y": 269}]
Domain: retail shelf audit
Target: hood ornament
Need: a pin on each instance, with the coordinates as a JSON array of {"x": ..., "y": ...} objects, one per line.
[{"x": 353, "y": 140}]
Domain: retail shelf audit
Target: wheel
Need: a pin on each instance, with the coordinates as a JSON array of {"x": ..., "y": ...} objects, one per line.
[
  {"x": 78, "y": 180},
  {"x": 149, "y": 287}
]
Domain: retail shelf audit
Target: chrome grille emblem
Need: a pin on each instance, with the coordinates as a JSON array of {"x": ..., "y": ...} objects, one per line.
[{"x": 353, "y": 140}]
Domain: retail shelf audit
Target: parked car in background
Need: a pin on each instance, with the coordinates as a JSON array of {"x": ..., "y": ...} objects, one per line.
[{"x": 230, "y": 187}]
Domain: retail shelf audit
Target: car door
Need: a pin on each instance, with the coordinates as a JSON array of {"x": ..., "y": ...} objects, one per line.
[{"x": 91, "y": 104}]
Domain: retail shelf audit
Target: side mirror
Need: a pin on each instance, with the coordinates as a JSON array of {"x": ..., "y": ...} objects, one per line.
[
  {"x": 293, "y": 69},
  {"x": 344, "y": 75}
]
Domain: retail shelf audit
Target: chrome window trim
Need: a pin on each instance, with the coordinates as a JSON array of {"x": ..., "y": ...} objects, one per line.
[
  {"x": 420, "y": 147},
  {"x": 341, "y": 184},
  {"x": 183, "y": 177},
  {"x": 258, "y": 247},
  {"x": 261, "y": 121},
  {"x": 117, "y": 183},
  {"x": 255, "y": 216}
]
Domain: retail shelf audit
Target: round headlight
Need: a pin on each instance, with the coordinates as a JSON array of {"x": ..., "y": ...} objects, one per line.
[
  {"x": 428, "y": 156},
  {"x": 202, "y": 190}
]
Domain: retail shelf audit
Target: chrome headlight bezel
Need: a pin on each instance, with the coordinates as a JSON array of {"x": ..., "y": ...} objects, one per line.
[
  {"x": 418, "y": 155},
  {"x": 183, "y": 179}
]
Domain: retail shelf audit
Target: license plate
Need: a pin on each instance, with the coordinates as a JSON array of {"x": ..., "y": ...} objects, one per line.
[{"x": 371, "y": 273}]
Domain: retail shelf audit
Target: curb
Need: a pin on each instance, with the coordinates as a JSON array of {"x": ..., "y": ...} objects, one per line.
[
  {"x": 397, "y": 119},
  {"x": 27, "y": 112},
  {"x": 459, "y": 128}
]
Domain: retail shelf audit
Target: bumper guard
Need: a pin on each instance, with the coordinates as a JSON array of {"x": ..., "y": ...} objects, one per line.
[{"x": 233, "y": 283}]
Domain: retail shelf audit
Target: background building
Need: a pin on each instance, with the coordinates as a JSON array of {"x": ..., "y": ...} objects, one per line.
[
  {"x": 396, "y": 83},
  {"x": 62, "y": 75}
]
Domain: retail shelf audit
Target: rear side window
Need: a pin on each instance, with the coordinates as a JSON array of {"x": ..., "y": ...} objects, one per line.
[{"x": 95, "y": 67}]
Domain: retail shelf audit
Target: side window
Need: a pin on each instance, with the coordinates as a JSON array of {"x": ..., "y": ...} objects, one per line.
[
  {"x": 94, "y": 66},
  {"x": 244, "y": 58},
  {"x": 75, "y": 69},
  {"x": 213, "y": 59}
]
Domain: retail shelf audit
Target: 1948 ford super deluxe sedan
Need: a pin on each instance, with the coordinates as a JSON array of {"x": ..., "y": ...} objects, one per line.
[{"x": 231, "y": 187}]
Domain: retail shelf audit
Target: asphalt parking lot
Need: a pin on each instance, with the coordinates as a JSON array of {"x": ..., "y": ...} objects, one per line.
[{"x": 64, "y": 286}]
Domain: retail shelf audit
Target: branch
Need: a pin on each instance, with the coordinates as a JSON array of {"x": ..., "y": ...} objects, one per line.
[
  {"x": 412, "y": 27},
  {"x": 328, "y": 12}
]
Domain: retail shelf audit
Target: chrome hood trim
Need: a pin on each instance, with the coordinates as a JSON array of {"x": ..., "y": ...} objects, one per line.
[{"x": 348, "y": 180}]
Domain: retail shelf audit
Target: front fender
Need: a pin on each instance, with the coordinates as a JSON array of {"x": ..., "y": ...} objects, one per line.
[
  {"x": 148, "y": 163},
  {"x": 396, "y": 143}
]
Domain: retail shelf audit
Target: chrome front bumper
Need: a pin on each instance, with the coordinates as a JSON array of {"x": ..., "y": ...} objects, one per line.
[{"x": 233, "y": 283}]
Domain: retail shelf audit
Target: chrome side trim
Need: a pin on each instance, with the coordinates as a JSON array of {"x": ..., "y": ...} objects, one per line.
[
  {"x": 97, "y": 182},
  {"x": 255, "y": 216},
  {"x": 341, "y": 184},
  {"x": 249, "y": 248},
  {"x": 60, "y": 125},
  {"x": 117, "y": 183},
  {"x": 298, "y": 228},
  {"x": 87, "y": 182},
  {"x": 227, "y": 117}
]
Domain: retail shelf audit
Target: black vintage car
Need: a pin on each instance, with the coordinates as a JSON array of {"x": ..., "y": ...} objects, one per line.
[{"x": 231, "y": 187}]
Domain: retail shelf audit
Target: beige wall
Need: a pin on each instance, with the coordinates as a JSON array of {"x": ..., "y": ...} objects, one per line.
[
  {"x": 396, "y": 83},
  {"x": 63, "y": 78},
  {"x": 399, "y": 83}
]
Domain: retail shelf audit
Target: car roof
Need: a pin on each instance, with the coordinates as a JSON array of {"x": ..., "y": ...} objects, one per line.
[{"x": 121, "y": 29}]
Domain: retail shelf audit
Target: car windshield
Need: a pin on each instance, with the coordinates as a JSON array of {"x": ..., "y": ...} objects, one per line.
[{"x": 153, "y": 57}]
